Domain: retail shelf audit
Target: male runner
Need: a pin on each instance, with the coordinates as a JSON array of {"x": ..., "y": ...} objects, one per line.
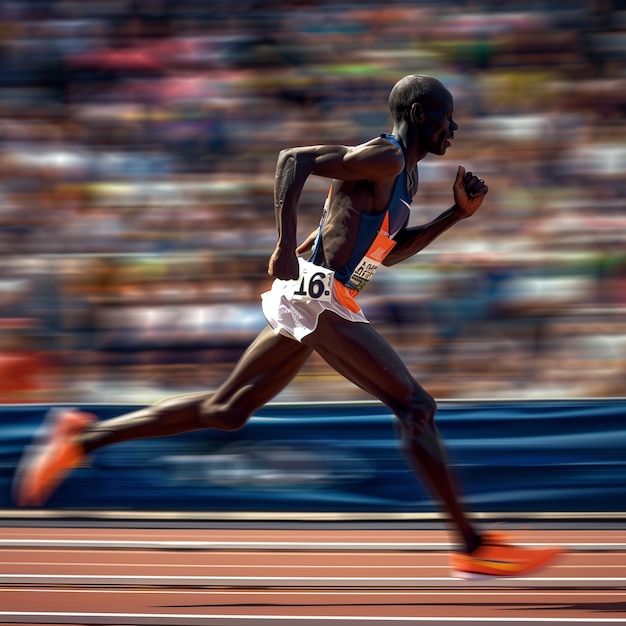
[{"x": 312, "y": 306}]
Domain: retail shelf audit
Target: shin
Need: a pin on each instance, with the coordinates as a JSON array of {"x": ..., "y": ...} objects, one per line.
[{"x": 426, "y": 453}]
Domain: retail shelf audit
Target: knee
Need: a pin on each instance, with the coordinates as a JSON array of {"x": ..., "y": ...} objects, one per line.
[
  {"x": 419, "y": 412},
  {"x": 222, "y": 416}
]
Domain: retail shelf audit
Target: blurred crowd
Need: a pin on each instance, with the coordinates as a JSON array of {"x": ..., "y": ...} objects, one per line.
[{"x": 137, "y": 154}]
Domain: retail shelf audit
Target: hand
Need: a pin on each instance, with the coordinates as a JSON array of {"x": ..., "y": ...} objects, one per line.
[
  {"x": 283, "y": 265},
  {"x": 469, "y": 191}
]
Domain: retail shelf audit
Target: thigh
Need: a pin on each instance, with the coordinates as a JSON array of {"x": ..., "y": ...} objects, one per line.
[
  {"x": 265, "y": 368},
  {"x": 358, "y": 352}
]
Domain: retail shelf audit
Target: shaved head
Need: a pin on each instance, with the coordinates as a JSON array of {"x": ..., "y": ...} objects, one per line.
[{"x": 425, "y": 90}]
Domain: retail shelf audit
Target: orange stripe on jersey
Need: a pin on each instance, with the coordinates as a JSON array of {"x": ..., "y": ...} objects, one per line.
[{"x": 346, "y": 296}]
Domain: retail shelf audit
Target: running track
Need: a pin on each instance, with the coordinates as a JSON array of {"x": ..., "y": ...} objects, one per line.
[{"x": 286, "y": 576}]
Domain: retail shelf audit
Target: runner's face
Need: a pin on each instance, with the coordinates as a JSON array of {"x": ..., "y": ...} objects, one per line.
[{"x": 438, "y": 126}]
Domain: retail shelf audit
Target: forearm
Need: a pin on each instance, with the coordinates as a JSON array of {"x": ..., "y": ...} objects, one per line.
[
  {"x": 291, "y": 174},
  {"x": 410, "y": 241}
]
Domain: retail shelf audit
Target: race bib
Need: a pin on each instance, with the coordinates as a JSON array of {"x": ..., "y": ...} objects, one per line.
[
  {"x": 366, "y": 269},
  {"x": 314, "y": 283}
]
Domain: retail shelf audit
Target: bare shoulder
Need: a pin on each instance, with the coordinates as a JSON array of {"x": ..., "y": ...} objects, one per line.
[
  {"x": 377, "y": 160},
  {"x": 379, "y": 157}
]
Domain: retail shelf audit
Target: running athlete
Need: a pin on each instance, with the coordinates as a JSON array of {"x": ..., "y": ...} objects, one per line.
[{"x": 312, "y": 306}]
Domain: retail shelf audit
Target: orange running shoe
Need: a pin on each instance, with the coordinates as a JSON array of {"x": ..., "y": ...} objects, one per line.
[
  {"x": 497, "y": 557},
  {"x": 52, "y": 455}
]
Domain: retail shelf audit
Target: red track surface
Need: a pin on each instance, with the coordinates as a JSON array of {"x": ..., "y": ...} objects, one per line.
[{"x": 258, "y": 577}]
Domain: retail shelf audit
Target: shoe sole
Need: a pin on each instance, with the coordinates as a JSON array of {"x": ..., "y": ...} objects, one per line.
[{"x": 543, "y": 558}]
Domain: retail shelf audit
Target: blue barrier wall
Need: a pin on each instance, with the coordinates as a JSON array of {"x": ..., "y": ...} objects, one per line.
[{"x": 510, "y": 456}]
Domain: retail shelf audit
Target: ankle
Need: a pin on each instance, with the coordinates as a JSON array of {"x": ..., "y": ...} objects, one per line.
[{"x": 473, "y": 542}]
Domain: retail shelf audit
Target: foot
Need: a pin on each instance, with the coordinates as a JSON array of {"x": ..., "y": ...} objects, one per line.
[
  {"x": 54, "y": 453},
  {"x": 497, "y": 557}
]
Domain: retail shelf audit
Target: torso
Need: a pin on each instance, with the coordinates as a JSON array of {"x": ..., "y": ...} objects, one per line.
[{"x": 354, "y": 216}]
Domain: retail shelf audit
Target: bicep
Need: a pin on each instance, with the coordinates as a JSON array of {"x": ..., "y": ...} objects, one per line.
[{"x": 367, "y": 161}]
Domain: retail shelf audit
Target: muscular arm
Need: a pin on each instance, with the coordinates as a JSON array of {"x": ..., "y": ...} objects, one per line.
[
  {"x": 374, "y": 160},
  {"x": 410, "y": 241},
  {"x": 469, "y": 193}
]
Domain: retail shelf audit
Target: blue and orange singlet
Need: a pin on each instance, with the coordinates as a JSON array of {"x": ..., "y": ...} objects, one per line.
[{"x": 374, "y": 239}]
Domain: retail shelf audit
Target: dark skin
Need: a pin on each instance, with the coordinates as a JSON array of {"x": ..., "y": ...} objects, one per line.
[{"x": 363, "y": 178}]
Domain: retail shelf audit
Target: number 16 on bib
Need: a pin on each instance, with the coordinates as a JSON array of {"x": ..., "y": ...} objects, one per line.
[{"x": 314, "y": 283}]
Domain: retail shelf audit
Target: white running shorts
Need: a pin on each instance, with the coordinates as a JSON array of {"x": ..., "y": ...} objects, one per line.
[{"x": 292, "y": 307}]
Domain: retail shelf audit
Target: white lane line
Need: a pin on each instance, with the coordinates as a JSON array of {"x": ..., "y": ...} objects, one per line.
[
  {"x": 221, "y": 545},
  {"x": 322, "y": 592},
  {"x": 310, "y": 581},
  {"x": 295, "y": 546},
  {"x": 222, "y": 596},
  {"x": 181, "y": 619},
  {"x": 245, "y": 566}
]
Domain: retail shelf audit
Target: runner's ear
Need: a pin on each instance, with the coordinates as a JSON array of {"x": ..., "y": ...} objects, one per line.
[{"x": 417, "y": 112}]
